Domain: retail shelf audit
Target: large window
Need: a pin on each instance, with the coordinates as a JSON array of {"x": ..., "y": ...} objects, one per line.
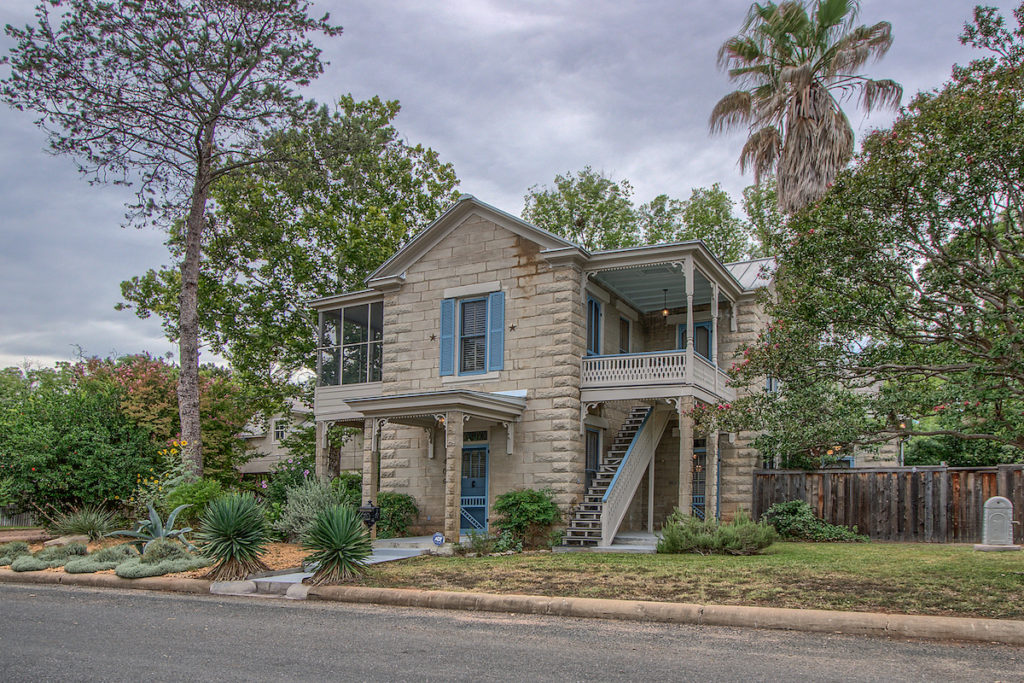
[
  {"x": 350, "y": 344},
  {"x": 623, "y": 335},
  {"x": 472, "y": 336}
]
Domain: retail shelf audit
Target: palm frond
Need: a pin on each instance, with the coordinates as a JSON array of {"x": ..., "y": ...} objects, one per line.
[
  {"x": 731, "y": 110},
  {"x": 761, "y": 152},
  {"x": 880, "y": 93}
]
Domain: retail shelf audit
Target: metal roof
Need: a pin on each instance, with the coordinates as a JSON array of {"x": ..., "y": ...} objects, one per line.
[{"x": 753, "y": 274}]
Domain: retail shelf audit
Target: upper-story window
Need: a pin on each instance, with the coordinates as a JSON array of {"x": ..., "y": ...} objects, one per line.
[
  {"x": 701, "y": 338},
  {"x": 623, "y": 335},
  {"x": 472, "y": 334},
  {"x": 351, "y": 344},
  {"x": 280, "y": 430},
  {"x": 593, "y": 327}
]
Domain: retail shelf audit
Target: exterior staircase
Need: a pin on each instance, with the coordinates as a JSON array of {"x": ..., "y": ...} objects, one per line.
[{"x": 585, "y": 525}]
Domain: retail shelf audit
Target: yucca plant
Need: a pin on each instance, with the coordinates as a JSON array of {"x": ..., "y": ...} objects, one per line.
[
  {"x": 92, "y": 521},
  {"x": 339, "y": 543},
  {"x": 233, "y": 530},
  {"x": 152, "y": 529}
]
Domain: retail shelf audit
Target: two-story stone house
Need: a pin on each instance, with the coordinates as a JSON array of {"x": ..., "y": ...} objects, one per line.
[{"x": 489, "y": 355}]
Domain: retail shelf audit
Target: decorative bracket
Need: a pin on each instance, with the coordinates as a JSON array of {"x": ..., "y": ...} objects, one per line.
[
  {"x": 509, "y": 440},
  {"x": 584, "y": 409},
  {"x": 377, "y": 429}
]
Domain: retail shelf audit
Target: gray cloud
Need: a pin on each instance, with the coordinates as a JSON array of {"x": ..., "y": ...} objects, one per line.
[{"x": 511, "y": 92}]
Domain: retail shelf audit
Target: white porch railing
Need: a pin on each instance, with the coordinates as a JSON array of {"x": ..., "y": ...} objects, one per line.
[
  {"x": 627, "y": 479},
  {"x": 631, "y": 369}
]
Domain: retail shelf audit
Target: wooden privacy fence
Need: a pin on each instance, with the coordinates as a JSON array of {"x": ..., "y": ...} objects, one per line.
[
  {"x": 924, "y": 504},
  {"x": 8, "y": 518}
]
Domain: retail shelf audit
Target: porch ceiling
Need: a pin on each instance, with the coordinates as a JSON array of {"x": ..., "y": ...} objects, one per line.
[
  {"x": 421, "y": 407},
  {"x": 644, "y": 286}
]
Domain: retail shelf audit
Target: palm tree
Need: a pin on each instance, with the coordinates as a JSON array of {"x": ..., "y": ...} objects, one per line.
[{"x": 795, "y": 58}]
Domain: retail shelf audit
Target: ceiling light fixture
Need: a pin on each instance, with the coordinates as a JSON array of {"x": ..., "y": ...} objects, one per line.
[{"x": 664, "y": 311}]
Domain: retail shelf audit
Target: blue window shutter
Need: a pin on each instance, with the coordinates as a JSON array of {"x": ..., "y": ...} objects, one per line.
[
  {"x": 448, "y": 337},
  {"x": 496, "y": 331}
]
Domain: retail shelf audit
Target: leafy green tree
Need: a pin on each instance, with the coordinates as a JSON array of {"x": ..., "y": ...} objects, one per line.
[
  {"x": 766, "y": 221},
  {"x": 587, "y": 208},
  {"x": 793, "y": 58},
  {"x": 171, "y": 96},
  {"x": 354, "y": 193},
  {"x": 901, "y": 290}
]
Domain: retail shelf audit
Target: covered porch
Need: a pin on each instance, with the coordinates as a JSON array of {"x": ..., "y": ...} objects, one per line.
[
  {"x": 656, "y": 318},
  {"x": 444, "y": 417}
]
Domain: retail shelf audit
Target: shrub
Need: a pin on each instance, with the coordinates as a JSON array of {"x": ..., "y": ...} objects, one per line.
[
  {"x": 350, "y": 486},
  {"x": 234, "y": 532},
  {"x": 528, "y": 515},
  {"x": 481, "y": 543},
  {"x": 339, "y": 543},
  {"x": 91, "y": 520},
  {"x": 9, "y": 551},
  {"x": 195, "y": 494},
  {"x": 47, "y": 558},
  {"x": 163, "y": 549},
  {"x": 101, "y": 560},
  {"x": 795, "y": 520},
  {"x": 687, "y": 534},
  {"x": 152, "y": 529},
  {"x": 285, "y": 476},
  {"x": 397, "y": 510},
  {"x": 135, "y": 568},
  {"x": 305, "y": 501}
]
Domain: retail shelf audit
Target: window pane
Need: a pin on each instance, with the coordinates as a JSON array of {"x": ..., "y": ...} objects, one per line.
[
  {"x": 376, "y": 321},
  {"x": 474, "y": 350},
  {"x": 353, "y": 364},
  {"x": 623, "y": 335},
  {"x": 329, "y": 328},
  {"x": 702, "y": 341},
  {"x": 329, "y": 366},
  {"x": 474, "y": 318},
  {"x": 376, "y": 361},
  {"x": 356, "y": 324}
]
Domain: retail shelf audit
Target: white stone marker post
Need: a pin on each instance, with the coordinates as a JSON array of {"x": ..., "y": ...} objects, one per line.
[{"x": 997, "y": 527}]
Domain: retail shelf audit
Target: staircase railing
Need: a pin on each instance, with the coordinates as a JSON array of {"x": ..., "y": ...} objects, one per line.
[{"x": 631, "y": 471}]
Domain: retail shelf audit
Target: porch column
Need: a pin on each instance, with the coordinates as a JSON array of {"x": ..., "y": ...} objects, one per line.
[
  {"x": 711, "y": 478},
  {"x": 714, "y": 331},
  {"x": 321, "y": 451},
  {"x": 688, "y": 267},
  {"x": 452, "y": 475},
  {"x": 370, "y": 465},
  {"x": 650, "y": 493},
  {"x": 686, "y": 455}
]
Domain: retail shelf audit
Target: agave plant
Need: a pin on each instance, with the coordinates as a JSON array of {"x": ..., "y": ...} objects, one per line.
[
  {"x": 339, "y": 543},
  {"x": 233, "y": 530},
  {"x": 152, "y": 529}
]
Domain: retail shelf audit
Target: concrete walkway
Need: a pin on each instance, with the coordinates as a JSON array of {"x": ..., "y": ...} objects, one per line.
[{"x": 387, "y": 550}]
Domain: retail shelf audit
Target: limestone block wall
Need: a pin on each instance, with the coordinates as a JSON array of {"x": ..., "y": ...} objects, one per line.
[
  {"x": 739, "y": 458},
  {"x": 542, "y": 356}
]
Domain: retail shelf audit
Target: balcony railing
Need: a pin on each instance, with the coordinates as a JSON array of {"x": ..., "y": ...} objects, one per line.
[{"x": 650, "y": 369}]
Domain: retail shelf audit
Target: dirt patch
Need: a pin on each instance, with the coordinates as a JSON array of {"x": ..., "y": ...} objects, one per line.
[{"x": 27, "y": 535}]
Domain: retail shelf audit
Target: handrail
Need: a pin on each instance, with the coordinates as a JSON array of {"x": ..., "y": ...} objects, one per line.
[{"x": 631, "y": 470}]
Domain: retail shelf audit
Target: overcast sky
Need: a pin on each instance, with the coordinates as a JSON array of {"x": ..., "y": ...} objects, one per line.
[{"x": 510, "y": 92}]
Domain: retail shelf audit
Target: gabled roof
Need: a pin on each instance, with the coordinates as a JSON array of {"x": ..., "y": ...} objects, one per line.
[{"x": 466, "y": 206}]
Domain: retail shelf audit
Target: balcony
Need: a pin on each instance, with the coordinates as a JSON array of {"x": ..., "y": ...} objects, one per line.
[{"x": 657, "y": 374}]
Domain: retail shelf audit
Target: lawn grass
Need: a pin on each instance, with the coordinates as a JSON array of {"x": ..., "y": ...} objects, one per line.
[{"x": 950, "y": 580}]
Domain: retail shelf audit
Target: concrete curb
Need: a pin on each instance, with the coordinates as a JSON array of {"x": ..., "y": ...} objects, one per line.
[
  {"x": 852, "y": 623},
  {"x": 233, "y": 587},
  {"x": 153, "y": 583}
]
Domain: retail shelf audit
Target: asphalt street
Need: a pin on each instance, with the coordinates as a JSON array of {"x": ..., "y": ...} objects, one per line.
[{"x": 51, "y": 633}]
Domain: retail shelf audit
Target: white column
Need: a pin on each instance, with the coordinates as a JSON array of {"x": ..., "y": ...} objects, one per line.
[
  {"x": 370, "y": 427},
  {"x": 688, "y": 269},
  {"x": 714, "y": 331},
  {"x": 650, "y": 493}
]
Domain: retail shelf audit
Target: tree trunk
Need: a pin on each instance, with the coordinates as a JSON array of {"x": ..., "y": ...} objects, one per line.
[{"x": 188, "y": 310}]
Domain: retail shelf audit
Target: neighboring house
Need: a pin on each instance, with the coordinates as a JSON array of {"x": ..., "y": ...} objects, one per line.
[
  {"x": 266, "y": 439},
  {"x": 489, "y": 355}
]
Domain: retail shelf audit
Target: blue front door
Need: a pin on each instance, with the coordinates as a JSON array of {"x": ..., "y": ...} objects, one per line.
[{"x": 474, "y": 488}]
